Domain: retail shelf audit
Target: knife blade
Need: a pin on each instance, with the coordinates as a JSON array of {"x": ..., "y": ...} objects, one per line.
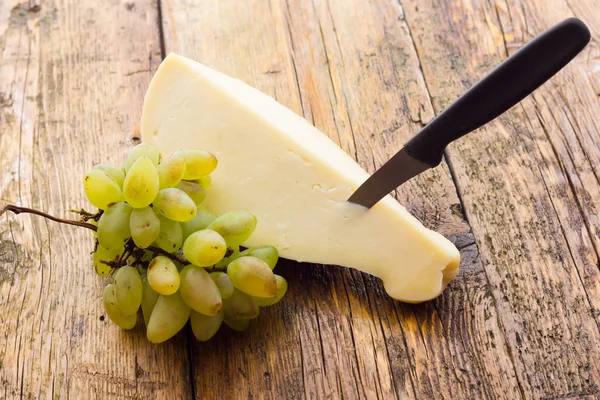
[{"x": 515, "y": 78}]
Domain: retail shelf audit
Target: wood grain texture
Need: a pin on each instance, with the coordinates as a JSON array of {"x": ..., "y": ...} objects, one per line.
[
  {"x": 522, "y": 320},
  {"x": 72, "y": 79},
  {"x": 529, "y": 184},
  {"x": 351, "y": 69}
]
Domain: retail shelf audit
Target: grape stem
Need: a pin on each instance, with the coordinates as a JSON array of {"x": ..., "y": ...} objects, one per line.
[
  {"x": 86, "y": 216},
  {"x": 26, "y": 210}
]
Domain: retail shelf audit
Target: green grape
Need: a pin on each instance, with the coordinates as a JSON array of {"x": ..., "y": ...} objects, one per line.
[
  {"x": 198, "y": 163},
  {"x": 174, "y": 204},
  {"x": 253, "y": 276},
  {"x": 194, "y": 190},
  {"x": 204, "y": 181},
  {"x": 199, "y": 291},
  {"x": 104, "y": 254},
  {"x": 169, "y": 316},
  {"x": 223, "y": 283},
  {"x": 141, "y": 150},
  {"x": 116, "y": 315},
  {"x": 202, "y": 219},
  {"x": 235, "y": 227},
  {"x": 236, "y": 324},
  {"x": 141, "y": 183},
  {"x": 282, "y": 287},
  {"x": 117, "y": 173},
  {"x": 101, "y": 189},
  {"x": 128, "y": 287},
  {"x": 240, "y": 306},
  {"x": 204, "y": 248},
  {"x": 234, "y": 254},
  {"x": 113, "y": 226},
  {"x": 170, "y": 172},
  {"x": 163, "y": 276},
  {"x": 205, "y": 326},
  {"x": 170, "y": 236},
  {"x": 144, "y": 226},
  {"x": 149, "y": 299},
  {"x": 268, "y": 254}
]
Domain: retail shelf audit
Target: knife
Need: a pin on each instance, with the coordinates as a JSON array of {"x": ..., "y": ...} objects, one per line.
[{"x": 516, "y": 77}]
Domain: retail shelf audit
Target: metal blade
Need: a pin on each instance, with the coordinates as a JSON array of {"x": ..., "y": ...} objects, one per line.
[{"x": 392, "y": 174}]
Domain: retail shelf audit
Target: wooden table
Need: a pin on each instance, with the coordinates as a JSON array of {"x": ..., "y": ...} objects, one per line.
[{"x": 520, "y": 198}]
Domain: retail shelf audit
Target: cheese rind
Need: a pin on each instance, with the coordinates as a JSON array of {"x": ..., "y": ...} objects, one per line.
[{"x": 276, "y": 165}]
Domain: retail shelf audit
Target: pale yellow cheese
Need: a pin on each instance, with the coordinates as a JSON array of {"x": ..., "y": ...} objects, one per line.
[{"x": 296, "y": 181}]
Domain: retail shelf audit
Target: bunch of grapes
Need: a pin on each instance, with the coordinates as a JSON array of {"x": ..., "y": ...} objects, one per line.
[{"x": 170, "y": 257}]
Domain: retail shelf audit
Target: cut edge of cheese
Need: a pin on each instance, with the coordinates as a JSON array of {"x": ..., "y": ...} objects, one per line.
[{"x": 294, "y": 178}]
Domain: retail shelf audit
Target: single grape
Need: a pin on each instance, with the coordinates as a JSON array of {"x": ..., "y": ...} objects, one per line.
[
  {"x": 202, "y": 219},
  {"x": 194, "y": 190},
  {"x": 117, "y": 173},
  {"x": 170, "y": 236},
  {"x": 199, "y": 290},
  {"x": 204, "y": 181},
  {"x": 235, "y": 227},
  {"x": 174, "y": 204},
  {"x": 169, "y": 315},
  {"x": 116, "y": 315},
  {"x": 163, "y": 276},
  {"x": 268, "y": 254},
  {"x": 240, "y": 306},
  {"x": 236, "y": 324},
  {"x": 128, "y": 287},
  {"x": 253, "y": 276},
  {"x": 141, "y": 183},
  {"x": 223, "y": 283},
  {"x": 204, "y": 248},
  {"x": 101, "y": 189},
  {"x": 205, "y": 326},
  {"x": 107, "y": 255},
  {"x": 144, "y": 226},
  {"x": 141, "y": 150},
  {"x": 113, "y": 226},
  {"x": 282, "y": 287},
  {"x": 170, "y": 172},
  {"x": 198, "y": 163},
  {"x": 149, "y": 299}
]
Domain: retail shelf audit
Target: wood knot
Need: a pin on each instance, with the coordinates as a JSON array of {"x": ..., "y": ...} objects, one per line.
[{"x": 135, "y": 136}]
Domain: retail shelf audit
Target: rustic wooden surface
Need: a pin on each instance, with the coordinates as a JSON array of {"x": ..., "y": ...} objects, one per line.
[{"x": 520, "y": 198}]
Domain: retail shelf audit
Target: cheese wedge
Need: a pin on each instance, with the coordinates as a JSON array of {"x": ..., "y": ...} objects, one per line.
[{"x": 276, "y": 165}]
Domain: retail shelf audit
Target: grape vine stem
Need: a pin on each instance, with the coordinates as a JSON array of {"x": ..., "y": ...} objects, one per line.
[{"x": 26, "y": 210}]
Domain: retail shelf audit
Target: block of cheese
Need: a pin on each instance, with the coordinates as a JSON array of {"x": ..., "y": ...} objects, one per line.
[{"x": 276, "y": 165}]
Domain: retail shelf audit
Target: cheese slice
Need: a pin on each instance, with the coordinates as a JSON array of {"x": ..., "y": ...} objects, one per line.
[{"x": 276, "y": 165}]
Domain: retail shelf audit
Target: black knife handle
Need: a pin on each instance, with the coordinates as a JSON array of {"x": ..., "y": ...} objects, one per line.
[{"x": 515, "y": 78}]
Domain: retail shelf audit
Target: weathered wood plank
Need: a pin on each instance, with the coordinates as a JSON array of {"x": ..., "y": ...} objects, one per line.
[
  {"x": 72, "y": 79},
  {"x": 529, "y": 182},
  {"x": 352, "y": 70}
]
